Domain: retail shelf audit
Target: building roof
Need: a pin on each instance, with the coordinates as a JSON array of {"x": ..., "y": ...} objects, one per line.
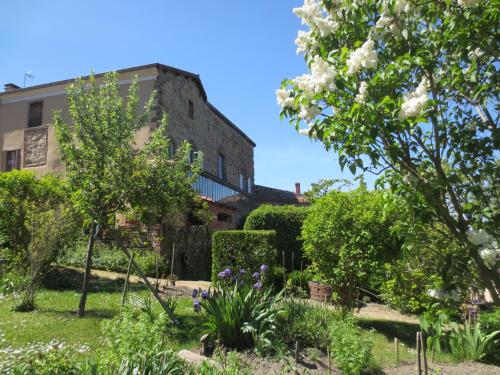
[
  {"x": 277, "y": 196},
  {"x": 158, "y": 66}
]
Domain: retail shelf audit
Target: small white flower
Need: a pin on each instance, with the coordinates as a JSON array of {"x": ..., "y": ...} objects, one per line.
[
  {"x": 414, "y": 102},
  {"x": 304, "y": 42},
  {"x": 361, "y": 96},
  {"x": 308, "y": 113},
  {"x": 402, "y": 6},
  {"x": 365, "y": 56},
  {"x": 310, "y": 10},
  {"x": 326, "y": 26},
  {"x": 476, "y": 53},
  {"x": 284, "y": 98}
]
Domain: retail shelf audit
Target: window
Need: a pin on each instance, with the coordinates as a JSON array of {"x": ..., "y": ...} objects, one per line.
[
  {"x": 192, "y": 156},
  {"x": 242, "y": 182},
  {"x": 12, "y": 160},
  {"x": 221, "y": 168},
  {"x": 249, "y": 185},
  {"x": 224, "y": 217},
  {"x": 35, "y": 114},
  {"x": 191, "y": 110}
]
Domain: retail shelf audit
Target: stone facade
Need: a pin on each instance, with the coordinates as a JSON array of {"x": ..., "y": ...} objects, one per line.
[{"x": 35, "y": 147}]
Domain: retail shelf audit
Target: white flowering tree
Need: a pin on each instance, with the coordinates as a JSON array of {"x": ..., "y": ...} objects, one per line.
[{"x": 409, "y": 90}]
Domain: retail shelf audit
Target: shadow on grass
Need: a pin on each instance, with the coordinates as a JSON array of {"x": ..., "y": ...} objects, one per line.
[
  {"x": 405, "y": 332},
  {"x": 66, "y": 279}
]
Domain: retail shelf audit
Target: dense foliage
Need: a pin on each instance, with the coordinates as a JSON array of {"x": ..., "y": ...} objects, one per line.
[
  {"x": 109, "y": 258},
  {"x": 347, "y": 238},
  {"x": 409, "y": 90},
  {"x": 287, "y": 222},
  {"x": 246, "y": 249}
]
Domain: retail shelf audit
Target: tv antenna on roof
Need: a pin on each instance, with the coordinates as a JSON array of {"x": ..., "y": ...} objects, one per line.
[{"x": 27, "y": 75}]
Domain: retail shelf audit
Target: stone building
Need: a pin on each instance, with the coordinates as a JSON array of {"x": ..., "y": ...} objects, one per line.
[{"x": 227, "y": 182}]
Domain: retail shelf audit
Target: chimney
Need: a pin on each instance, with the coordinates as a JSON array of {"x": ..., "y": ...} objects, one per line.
[
  {"x": 297, "y": 188},
  {"x": 10, "y": 87}
]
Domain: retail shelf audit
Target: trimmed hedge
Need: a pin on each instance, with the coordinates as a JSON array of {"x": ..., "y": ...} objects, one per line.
[
  {"x": 287, "y": 222},
  {"x": 247, "y": 249}
]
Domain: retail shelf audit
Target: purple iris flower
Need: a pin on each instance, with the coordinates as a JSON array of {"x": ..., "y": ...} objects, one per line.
[
  {"x": 258, "y": 285},
  {"x": 242, "y": 282},
  {"x": 221, "y": 275},
  {"x": 204, "y": 294},
  {"x": 197, "y": 306},
  {"x": 256, "y": 275},
  {"x": 194, "y": 294},
  {"x": 242, "y": 271},
  {"x": 263, "y": 268}
]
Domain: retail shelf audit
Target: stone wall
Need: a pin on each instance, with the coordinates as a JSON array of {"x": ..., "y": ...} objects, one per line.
[{"x": 207, "y": 131}]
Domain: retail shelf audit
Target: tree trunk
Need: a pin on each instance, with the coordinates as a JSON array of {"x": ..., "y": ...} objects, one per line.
[
  {"x": 489, "y": 277},
  {"x": 86, "y": 275}
]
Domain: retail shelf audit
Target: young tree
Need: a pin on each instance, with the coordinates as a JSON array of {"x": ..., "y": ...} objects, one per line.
[
  {"x": 109, "y": 173},
  {"x": 409, "y": 90}
]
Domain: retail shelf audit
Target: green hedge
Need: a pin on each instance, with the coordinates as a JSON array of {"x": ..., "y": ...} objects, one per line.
[
  {"x": 287, "y": 222},
  {"x": 247, "y": 249},
  {"x": 109, "y": 258}
]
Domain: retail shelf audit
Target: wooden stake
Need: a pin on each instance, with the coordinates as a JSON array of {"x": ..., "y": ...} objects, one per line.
[
  {"x": 396, "y": 349},
  {"x": 125, "y": 287},
  {"x": 422, "y": 345},
  {"x": 296, "y": 352},
  {"x": 329, "y": 361},
  {"x": 284, "y": 271},
  {"x": 173, "y": 258},
  {"x": 418, "y": 354},
  {"x": 292, "y": 269}
]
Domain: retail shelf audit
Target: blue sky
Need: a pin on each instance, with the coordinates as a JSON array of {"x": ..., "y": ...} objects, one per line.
[{"x": 241, "y": 49}]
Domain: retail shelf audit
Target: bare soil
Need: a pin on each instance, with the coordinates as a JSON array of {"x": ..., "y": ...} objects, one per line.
[{"x": 464, "y": 368}]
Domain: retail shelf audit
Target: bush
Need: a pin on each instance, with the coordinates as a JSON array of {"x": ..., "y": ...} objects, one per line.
[
  {"x": 308, "y": 324},
  {"x": 241, "y": 316},
  {"x": 297, "y": 284},
  {"x": 351, "y": 351},
  {"x": 347, "y": 237},
  {"x": 490, "y": 322},
  {"x": 247, "y": 249},
  {"x": 110, "y": 258},
  {"x": 287, "y": 222},
  {"x": 471, "y": 343}
]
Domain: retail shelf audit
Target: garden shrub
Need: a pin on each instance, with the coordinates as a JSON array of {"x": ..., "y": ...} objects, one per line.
[
  {"x": 297, "y": 283},
  {"x": 287, "y": 222},
  {"x": 110, "y": 258},
  {"x": 351, "y": 351},
  {"x": 306, "y": 324},
  {"x": 247, "y": 249},
  {"x": 347, "y": 237},
  {"x": 241, "y": 315},
  {"x": 490, "y": 322}
]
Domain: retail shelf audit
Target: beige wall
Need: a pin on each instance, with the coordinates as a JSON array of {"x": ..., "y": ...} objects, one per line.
[
  {"x": 14, "y": 108},
  {"x": 208, "y": 131}
]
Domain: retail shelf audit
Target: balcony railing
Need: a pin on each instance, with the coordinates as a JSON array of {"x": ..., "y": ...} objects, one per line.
[{"x": 215, "y": 190}]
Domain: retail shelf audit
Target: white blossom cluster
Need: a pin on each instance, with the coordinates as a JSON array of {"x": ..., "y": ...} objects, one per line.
[
  {"x": 315, "y": 16},
  {"x": 285, "y": 98},
  {"x": 468, "y": 3},
  {"x": 365, "y": 56},
  {"x": 489, "y": 250},
  {"x": 415, "y": 101},
  {"x": 402, "y": 6},
  {"x": 361, "y": 96},
  {"x": 309, "y": 112}
]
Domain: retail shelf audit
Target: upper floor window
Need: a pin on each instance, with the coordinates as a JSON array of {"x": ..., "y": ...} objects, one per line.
[
  {"x": 221, "y": 168},
  {"x": 242, "y": 182},
  {"x": 249, "y": 185},
  {"x": 191, "y": 110},
  {"x": 35, "y": 114},
  {"x": 12, "y": 160}
]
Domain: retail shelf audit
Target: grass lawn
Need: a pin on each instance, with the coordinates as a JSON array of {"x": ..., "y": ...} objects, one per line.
[
  {"x": 383, "y": 341},
  {"x": 56, "y": 317}
]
